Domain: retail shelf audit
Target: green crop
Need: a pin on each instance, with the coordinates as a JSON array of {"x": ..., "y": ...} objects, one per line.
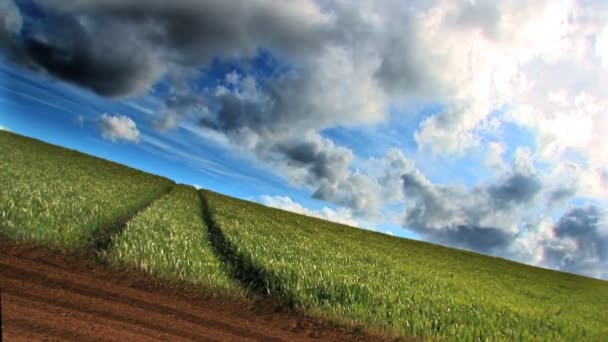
[
  {"x": 169, "y": 241},
  {"x": 63, "y": 198},
  {"x": 404, "y": 287}
]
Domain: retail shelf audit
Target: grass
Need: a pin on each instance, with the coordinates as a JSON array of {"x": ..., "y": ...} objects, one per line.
[
  {"x": 169, "y": 241},
  {"x": 404, "y": 287},
  {"x": 62, "y": 198}
]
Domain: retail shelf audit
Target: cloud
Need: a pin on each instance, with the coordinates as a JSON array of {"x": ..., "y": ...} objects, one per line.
[
  {"x": 3, "y": 128},
  {"x": 537, "y": 65},
  {"x": 343, "y": 216},
  {"x": 515, "y": 189},
  {"x": 124, "y": 48},
  {"x": 10, "y": 19},
  {"x": 502, "y": 217},
  {"x": 176, "y": 108},
  {"x": 580, "y": 243},
  {"x": 499, "y": 55},
  {"x": 11, "y": 23},
  {"x": 119, "y": 48},
  {"x": 494, "y": 156},
  {"x": 118, "y": 127},
  {"x": 344, "y": 63},
  {"x": 339, "y": 64},
  {"x": 249, "y": 118},
  {"x": 570, "y": 127},
  {"x": 483, "y": 218},
  {"x": 318, "y": 163}
]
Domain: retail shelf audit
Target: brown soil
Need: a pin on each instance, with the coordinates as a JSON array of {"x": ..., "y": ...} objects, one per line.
[{"x": 47, "y": 295}]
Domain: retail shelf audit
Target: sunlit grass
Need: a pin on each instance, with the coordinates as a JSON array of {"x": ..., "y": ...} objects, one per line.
[
  {"x": 169, "y": 241},
  {"x": 61, "y": 198},
  {"x": 405, "y": 287}
]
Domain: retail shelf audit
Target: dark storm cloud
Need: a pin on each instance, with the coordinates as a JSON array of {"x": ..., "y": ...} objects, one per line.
[
  {"x": 201, "y": 30},
  {"x": 121, "y": 48},
  {"x": 581, "y": 244},
  {"x": 107, "y": 73}
]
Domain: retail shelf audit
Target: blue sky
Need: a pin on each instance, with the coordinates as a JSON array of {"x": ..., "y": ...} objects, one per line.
[
  {"x": 65, "y": 115},
  {"x": 454, "y": 126}
]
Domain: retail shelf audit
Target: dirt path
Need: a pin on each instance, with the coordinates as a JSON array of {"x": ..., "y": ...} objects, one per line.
[{"x": 50, "y": 296}]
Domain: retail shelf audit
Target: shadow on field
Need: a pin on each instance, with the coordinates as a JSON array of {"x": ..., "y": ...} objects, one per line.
[{"x": 238, "y": 266}]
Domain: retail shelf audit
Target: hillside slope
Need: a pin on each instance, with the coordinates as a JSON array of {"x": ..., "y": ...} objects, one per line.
[
  {"x": 66, "y": 200},
  {"x": 400, "y": 286}
]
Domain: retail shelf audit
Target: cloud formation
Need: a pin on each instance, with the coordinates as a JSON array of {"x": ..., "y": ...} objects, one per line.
[
  {"x": 11, "y": 23},
  {"x": 484, "y": 218},
  {"x": 343, "y": 64},
  {"x": 118, "y": 127},
  {"x": 10, "y": 19},
  {"x": 147, "y": 39},
  {"x": 580, "y": 243},
  {"x": 248, "y": 117},
  {"x": 501, "y": 218},
  {"x": 336, "y": 63}
]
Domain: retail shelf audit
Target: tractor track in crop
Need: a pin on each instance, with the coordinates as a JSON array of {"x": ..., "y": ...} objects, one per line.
[
  {"x": 49, "y": 295},
  {"x": 251, "y": 277},
  {"x": 101, "y": 240}
]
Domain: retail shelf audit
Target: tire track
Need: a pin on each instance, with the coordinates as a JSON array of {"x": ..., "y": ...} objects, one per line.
[
  {"x": 239, "y": 266},
  {"x": 102, "y": 238}
]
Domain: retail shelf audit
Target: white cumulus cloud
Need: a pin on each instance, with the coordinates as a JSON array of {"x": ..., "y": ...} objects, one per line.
[{"x": 118, "y": 127}]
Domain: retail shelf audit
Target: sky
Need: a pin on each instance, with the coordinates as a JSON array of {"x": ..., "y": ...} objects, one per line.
[{"x": 473, "y": 124}]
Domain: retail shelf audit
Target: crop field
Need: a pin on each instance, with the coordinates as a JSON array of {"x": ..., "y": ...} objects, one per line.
[
  {"x": 59, "y": 197},
  {"x": 397, "y": 287},
  {"x": 404, "y": 287},
  {"x": 169, "y": 241}
]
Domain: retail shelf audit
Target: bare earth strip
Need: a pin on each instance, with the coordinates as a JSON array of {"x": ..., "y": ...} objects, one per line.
[{"x": 50, "y": 296}]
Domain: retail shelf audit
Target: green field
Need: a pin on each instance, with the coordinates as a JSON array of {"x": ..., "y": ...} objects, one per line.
[
  {"x": 405, "y": 287},
  {"x": 398, "y": 287},
  {"x": 63, "y": 198},
  {"x": 169, "y": 240}
]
